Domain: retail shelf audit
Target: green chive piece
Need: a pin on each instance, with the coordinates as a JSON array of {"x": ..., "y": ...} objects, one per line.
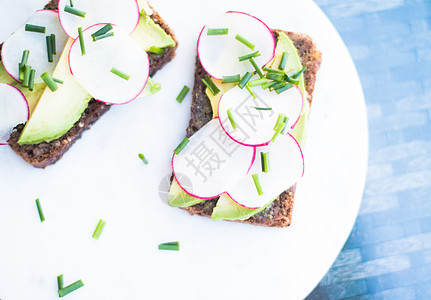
[
  {"x": 278, "y": 85},
  {"x": 155, "y": 87},
  {"x": 299, "y": 73},
  {"x": 231, "y": 79},
  {"x": 81, "y": 41},
  {"x": 244, "y": 41},
  {"x": 291, "y": 80},
  {"x": 21, "y": 69},
  {"x": 173, "y": 246},
  {"x": 263, "y": 108},
  {"x": 35, "y": 28},
  {"x": 70, "y": 288},
  {"x": 283, "y": 89},
  {"x": 283, "y": 61},
  {"x": 231, "y": 119},
  {"x": 250, "y": 91},
  {"x": 218, "y": 31},
  {"x": 31, "y": 80},
  {"x": 39, "y": 210},
  {"x": 27, "y": 72},
  {"x": 244, "y": 80},
  {"x": 256, "y": 82},
  {"x": 183, "y": 94},
  {"x": 283, "y": 131},
  {"x": 74, "y": 11},
  {"x": 120, "y": 74},
  {"x": 49, "y": 81},
  {"x": 53, "y": 45},
  {"x": 248, "y": 56},
  {"x": 60, "y": 281},
  {"x": 257, "y": 184},
  {"x": 269, "y": 84},
  {"x": 181, "y": 146},
  {"x": 274, "y": 76},
  {"x": 264, "y": 158},
  {"x": 24, "y": 58},
  {"x": 280, "y": 125},
  {"x": 210, "y": 85},
  {"x": 142, "y": 157},
  {"x": 49, "y": 48},
  {"x": 71, "y": 3},
  {"x": 102, "y": 36},
  {"x": 280, "y": 120},
  {"x": 99, "y": 229},
  {"x": 257, "y": 68},
  {"x": 273, "y": 71},
  {"x": 58, "y": 80},
  {"x": 102, "y": 30},
  {"x": 157, "y": 50}
]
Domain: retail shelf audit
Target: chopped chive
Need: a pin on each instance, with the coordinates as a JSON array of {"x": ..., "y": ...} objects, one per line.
[
  {"x": 250, "y": 91},
  {"x": 181, "y": 146},
  {"x": 244, "y": 80},
  {"x": 210, "y": 85},
  {"x": 102, "y": 36},
  {"x": 299, "y": 73},
  {"x": 71, "y": 3},
  {"x": 248, "y": 56},
  {"x": 120, "y": 74},
  {"x": 142, "y": 157},
  {"x": 278, "y": 85},
  {"x": 49, "y": 48},
  {"x": 257, "y": 68},
  {"x": 183, "y": 94},
  {"x": 60, "y": 281},
  {"x": 31, "y": 80},
  {"x": 49, "y": 81},
  {"x": 102, "y": 30},
  {"x": 231, "y": 79},
  {"x": 280, "y": 120},
  {"x": 58, "y": 80},
  {"x": 81, "y": 41},
  {"x": 264, "y": 158},
  {"x": 273, "y": 70},
  {"x": 99, "y": 229},
  {"x": 257, "y": 184},
  {"x": 290, "y": 73},
  {"x": 291, "y": 80},
  {"x": 21, "y": 68},
  {"x": 274, "y": 76},
  {"x": 285, "y": 125},
  {"x": 256, "y": 82},
  {"x": 269, "y": 84},
  {"x": 40, "y": 211},
  {"x": 283, "y": 89},
  {"x": 24, "y": 58},
  {"x": 244, "y": 41},
  {"x": 279, "y": 126},
  {"x": 173, "y": 246},
  {"x": 231, "y": 119},
  {"x": 217, "y": 31},
  {"x": 53, "y": 46},
  {"x": 157, "y": 50},
  {"x": 263, "y": 108},
  {"x": 70, "y": 288},
  {"x": 155, "y": 87},
  {"x": 27, "y": 72},
  {"x": 283, "y": 61},
  {"x": 35, "y": 28},
  {"x": 74, "y": 11}
]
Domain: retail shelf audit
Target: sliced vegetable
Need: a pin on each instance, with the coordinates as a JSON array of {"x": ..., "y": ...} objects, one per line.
[
  {"x": 173, "y": 246},
  {"x": 99, "y": 229},
  {"x": 183, "y": 94},
  {"x": 39, "y": 210},
  {"x": 70, "y": 288}
]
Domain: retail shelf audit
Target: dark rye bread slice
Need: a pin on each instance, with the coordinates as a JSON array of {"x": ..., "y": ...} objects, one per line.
[
  {"x": 279, "y": 213},
  {"x": 47, "y": 153}
]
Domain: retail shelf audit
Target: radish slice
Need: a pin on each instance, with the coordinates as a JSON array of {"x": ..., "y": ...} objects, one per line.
[
  {"x": 286, "y": 167},
  {"x": 124, "y": 13},
  {"x": 219, "y": 54},
  {"x": 21, "y": 40},
  {"x": 256, "y": 127},
  {"x": 211, "y": 162},
  {"x": 14, "y": 110},
  {"x": 93, "y": 70}
]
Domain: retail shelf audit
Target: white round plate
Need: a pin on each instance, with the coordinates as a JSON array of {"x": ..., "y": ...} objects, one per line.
[{"x": 101, "y": 177}]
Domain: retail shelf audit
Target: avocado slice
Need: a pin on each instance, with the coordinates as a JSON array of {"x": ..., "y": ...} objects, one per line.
[
  {"x": 227, "y": 209},
  {"x": 178, "y": 198}
]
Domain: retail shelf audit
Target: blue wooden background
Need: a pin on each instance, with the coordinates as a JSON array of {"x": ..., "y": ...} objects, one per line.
[{"x": 388, "y": 254}]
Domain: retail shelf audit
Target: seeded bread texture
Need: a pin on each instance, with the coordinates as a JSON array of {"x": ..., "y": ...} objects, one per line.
[
  {"x": 48, "y": 153},
  {"x": 279, "y": 213}
]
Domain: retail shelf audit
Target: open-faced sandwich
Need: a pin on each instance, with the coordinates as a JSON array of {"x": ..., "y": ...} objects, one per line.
[
  {"x": 252, "y": 94},
  {"x": 69, "y": 63}
]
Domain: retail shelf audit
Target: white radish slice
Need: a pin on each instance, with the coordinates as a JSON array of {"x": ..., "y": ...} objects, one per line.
[
  {"x": 219, "y": 54},
  {"x": 93, "y": 70},
  {"x": 35, "y": 42},
  {"x": 286, "y": 167},
  {"x": 211, "y": 162},
  {"x": 124, "y": 13},
  {"x": 256, "y": 127},
  {"x": 14, "y": 110}
]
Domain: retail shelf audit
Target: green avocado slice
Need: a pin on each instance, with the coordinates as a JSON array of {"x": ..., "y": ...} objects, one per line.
[
  {"x": 178, "y": 198},
  {"x": 227, "y": 209}
]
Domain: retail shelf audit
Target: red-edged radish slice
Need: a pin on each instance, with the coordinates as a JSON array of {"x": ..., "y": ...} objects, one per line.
[
  {"x": 255, "y": 127},
  {"x": 93, "y": 70},
  {"x": 211, "y": 162},
  {"x": 286, "y": 167},
  {"x": 21, "y": 40},
  {"x": 219, "y": 54},
  {"x": 14, "y": 110},
  {"x": 124, "y": 13}
]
